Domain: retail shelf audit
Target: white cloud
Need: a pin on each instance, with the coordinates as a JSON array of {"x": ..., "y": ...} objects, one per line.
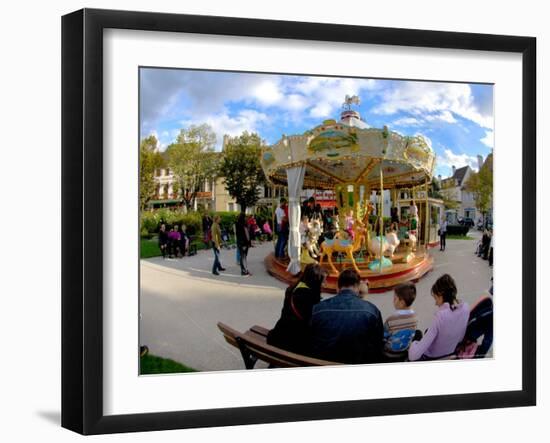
[
  {"x": 436, "y": 101},
  {"x": 323, "y": 96},
  {"x": 199, "y": 95},
  {"x": 445, "y": 116},
  {"x": 222, "y": 123},
  {"x": 489, "y": 139},
  {"x": 407, "y": 121},
  {"x": 268, "y": 92},
  {"x": 450, "y": 159}
]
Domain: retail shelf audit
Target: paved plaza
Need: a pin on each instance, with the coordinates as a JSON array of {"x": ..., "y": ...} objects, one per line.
[{"x": 181, "y": 301}]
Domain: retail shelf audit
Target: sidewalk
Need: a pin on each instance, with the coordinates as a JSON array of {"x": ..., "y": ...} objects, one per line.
[{"x": 181, "y": 301}]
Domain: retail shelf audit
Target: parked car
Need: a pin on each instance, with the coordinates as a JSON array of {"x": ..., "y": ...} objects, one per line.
[{"x": 467, "y": 221}]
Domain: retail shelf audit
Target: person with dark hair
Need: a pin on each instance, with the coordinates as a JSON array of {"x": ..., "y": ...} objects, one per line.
[
  {"x": 346, "y": 328},
  {"x": 163, "y": 240},
  {"x": 449, "y": 324},
  {"x": 243, "y": 242},
  {"x": 443, "y": 234},
  {"x": 206, "y": 225},
  {"x": 394, "y": 213},
  {"x": 184, "y": 240},
  {"x": 216, "y": 234},
  {"x": 400, "y": 327},
  {"x": 281, "y": 215},
  {"x": 318, "y": 212},
  {"x": 173, "y": 242},
  {"x": 292, "y": 330}
]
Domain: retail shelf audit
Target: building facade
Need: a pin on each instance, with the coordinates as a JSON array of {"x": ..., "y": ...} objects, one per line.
[{"x": 454, "y": 188}]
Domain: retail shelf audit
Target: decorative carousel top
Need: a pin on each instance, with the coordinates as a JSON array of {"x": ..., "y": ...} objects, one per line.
[{"x": 350, "y": 152}]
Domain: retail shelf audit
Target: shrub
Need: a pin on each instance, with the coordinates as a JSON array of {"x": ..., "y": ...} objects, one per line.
[
  {"x": 149, "y": 223},
  {"x": 227, "y": 220},
  {"x": 151, "y": 220},
  {"x": 457, "y": 230},
  {"x": 263, "y": 213},
  {"x": 192, "y": 221}
]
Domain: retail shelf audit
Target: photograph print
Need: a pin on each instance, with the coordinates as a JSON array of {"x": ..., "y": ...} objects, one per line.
[{"x": 300, "y": 220}]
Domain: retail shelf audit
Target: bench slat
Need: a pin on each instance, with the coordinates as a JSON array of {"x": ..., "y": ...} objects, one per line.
[
  {"x": 260, "y": 330},
  {"x": 254, "y": 342}
]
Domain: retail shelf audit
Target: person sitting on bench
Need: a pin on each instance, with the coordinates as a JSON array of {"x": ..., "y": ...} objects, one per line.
[
  {"x": 347, "y": 328},
  {"x": 292, "y": 332},
  {"x": 449, "y": 324}
]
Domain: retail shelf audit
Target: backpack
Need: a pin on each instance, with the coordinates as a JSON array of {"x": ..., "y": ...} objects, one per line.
[{"x": 399, "y": 341}]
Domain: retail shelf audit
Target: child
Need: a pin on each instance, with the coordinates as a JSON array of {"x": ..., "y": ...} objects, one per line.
[
  {"x": 400, "y": 327},
  {"x": 267, "y": 230}
]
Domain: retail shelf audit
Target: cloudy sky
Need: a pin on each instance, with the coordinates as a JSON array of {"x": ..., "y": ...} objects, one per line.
[{"x": 456, "y": 117}]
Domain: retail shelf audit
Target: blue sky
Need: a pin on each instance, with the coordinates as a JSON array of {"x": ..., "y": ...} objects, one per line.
[{"x": 456, "y": 117}]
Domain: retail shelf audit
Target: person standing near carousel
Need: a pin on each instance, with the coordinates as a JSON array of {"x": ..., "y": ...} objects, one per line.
[{"x": 281, "y": 214}]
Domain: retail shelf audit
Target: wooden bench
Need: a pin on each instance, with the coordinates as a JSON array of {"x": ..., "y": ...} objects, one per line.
[{"x": 253, "y": 347}]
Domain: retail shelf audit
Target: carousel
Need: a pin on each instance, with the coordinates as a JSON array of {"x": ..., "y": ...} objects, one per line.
[{"x": 383, "y": 221}]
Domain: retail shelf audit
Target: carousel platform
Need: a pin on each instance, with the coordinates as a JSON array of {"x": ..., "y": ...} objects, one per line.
[{"x": 398, "y": 273}]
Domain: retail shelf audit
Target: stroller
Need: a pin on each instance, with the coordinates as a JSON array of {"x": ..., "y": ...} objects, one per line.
[
  {"x": 480, "y": 324},
  {"x": 226, "y": 239}
]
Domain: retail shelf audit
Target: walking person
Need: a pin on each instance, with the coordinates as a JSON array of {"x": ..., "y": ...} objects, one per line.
[
  {"x": 443, "y": 234},
  {"x": 216, "y": 234},
  {"x": 243, "y": 242}
]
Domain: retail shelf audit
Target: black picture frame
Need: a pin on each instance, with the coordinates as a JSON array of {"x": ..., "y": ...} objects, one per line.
[{"x": 82, "y": 219}]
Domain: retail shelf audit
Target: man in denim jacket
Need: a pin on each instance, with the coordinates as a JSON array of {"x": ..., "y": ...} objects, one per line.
[{"x": 346, "y": 328}]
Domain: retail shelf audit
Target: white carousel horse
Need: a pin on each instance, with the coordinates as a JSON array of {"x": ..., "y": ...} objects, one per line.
[
  {"x": 393, "y": 242},
  {"x": 314, "y": 232},
  {"x": 374, "y": 246}
]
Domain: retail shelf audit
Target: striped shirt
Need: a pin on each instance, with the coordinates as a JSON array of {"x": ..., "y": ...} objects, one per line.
[
  {"x": 399, "y": 329},
  {"x": 401, "y": 319}
]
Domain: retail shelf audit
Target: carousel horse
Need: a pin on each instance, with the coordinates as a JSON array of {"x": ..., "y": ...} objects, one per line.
[
  {"x": 374, "y": 246},
  {"x": 314, "y": 233},
  {"x": 310, "y": 248},
  {"x": 328, "y": 247},
  {"x": 393, "y": 242}
]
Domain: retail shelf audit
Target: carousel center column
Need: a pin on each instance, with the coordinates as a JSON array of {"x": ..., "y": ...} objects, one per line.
[{"x": 295, "y": 180}]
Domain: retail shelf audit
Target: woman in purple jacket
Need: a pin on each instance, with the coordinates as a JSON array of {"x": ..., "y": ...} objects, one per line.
[{"x": 449, "y": 324}]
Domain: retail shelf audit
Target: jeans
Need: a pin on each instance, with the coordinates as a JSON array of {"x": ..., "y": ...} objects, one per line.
[
  {"x": 281, "y": 244},
  {"x": 442, "y": 241},
  {"x": 217, "y": 265}
]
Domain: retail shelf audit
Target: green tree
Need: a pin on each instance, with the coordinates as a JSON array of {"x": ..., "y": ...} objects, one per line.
[
  {"x": 434, "y": 190},
  {"x": 241, "y": 169},
  {"x": 480, "y": 185},
  {"x": 449, "y": 194},
  {"x": 192, "y": 160},
  {"x": 149, "y": 160}
]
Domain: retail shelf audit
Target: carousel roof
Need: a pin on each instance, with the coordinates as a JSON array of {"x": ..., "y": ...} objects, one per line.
[{"x": 350, "y": 152}]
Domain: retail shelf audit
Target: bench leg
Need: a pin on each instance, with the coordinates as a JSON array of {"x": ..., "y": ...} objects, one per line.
[{"x": 249, "y": 360}]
